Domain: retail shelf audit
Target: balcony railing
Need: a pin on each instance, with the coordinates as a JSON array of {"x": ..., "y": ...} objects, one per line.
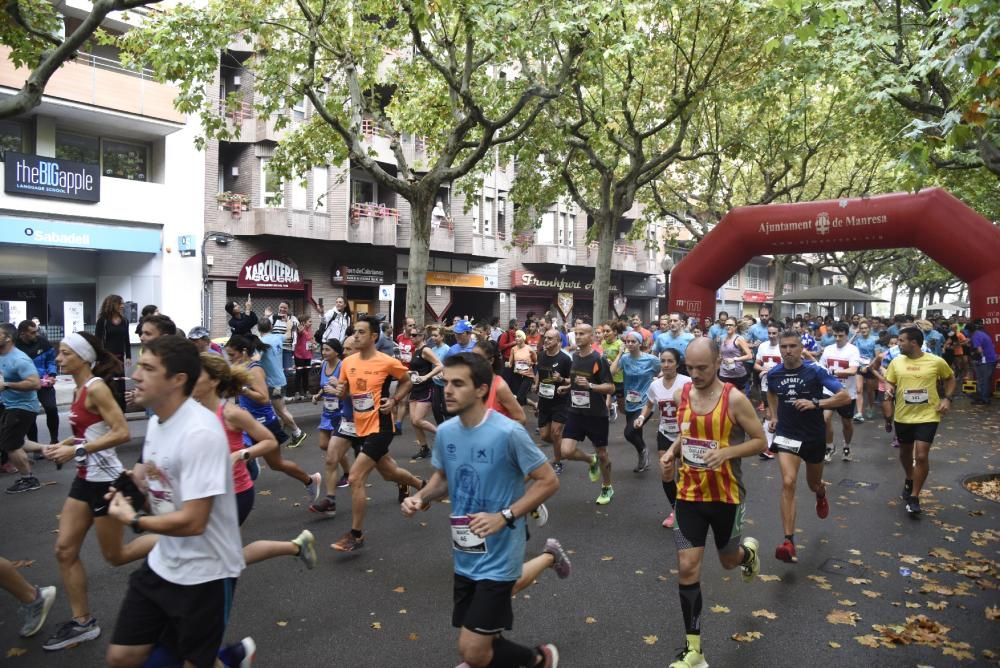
[
  {"x": 371, "y": 129},
  {"x": 373, "y": 210},
  {"x": 620, "y": 248},
  {"x": 243, "y": 112}
]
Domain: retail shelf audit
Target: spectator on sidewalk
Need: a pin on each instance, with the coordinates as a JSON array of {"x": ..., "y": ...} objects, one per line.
[
  {"x": 43, "y": 355},
  {"x": 241, "y": 320}
]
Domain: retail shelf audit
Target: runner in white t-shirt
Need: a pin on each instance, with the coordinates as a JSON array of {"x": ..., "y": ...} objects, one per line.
[
  {"x": 182, "y": 593},
  {"x": 842, "y": 360},
  {"x": 660, "y": 400},
  {"x": 768, "y": 357}
]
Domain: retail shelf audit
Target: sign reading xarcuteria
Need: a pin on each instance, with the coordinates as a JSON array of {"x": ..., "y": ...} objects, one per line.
[
  {"x": 269, "y": 271},
  {"x": 39, "y": 176}
]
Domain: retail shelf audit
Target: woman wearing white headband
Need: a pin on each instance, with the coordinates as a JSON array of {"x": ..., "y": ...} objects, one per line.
[{"x": 98, "y": 426}]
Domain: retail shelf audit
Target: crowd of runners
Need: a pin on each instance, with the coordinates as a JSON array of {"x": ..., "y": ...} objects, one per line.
[{"x": 715, "y": 391}]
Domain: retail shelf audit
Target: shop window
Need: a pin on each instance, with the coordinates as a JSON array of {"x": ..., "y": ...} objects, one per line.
[
  {"x": 11, "y": 137},
  {"x": 320, "y": 188},
  {"x": 270, "y": 186},
  {"x": 122, "y": 160},
  {"x": 81, "y": 148}
]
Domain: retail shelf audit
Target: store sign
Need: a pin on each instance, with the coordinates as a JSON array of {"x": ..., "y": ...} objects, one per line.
[
  {"x": 343, "y": 275},
  {"x": 529, "y": 279},
  {"x": 756, "y": 297},
  {"x": 267, "y": 271},
  {"x": 641, "y": 287},
  {"x": 456, "y": 280},
  {"x": 51, "y": 177},
  {"x": 58, "y": 234}
]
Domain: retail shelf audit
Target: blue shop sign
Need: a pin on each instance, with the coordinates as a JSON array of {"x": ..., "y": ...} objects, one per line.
[
  {"x": 60, "y": 234},
  {"x": 51, "y": 177}
]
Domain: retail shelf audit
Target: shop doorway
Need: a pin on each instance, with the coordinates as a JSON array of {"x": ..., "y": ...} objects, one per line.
[
  {"x": 477, "y": 305},
  {"x": 360, "y": 307}
]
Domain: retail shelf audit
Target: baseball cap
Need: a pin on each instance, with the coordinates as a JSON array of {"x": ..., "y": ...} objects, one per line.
[
  {"x": 198, "y": 333},
  {"x": 463, "y": 326}
]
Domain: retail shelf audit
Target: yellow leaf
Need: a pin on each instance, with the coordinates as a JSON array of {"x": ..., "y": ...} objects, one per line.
[
  {"x": 606, "y": 558},
  {"x": 769, "y": 578},
  {"x": 845, "y": 602},
  {"x": 847, "y": 617},
  {"x": 590, "y": 620},
  {"x": 377, "y": 626},
  {"x": 940, "y": 605},
  {"x": 639, "y": 573},
  {"x": 764, "y": 613},
  {"x": 992, "y": 613},
  {"x": 719, "y": 608},
  {"x": 855, "y": 552},
  {"x": 834, "y": 645},
  {"x": 282, "y": 623},
  {"x": 400, "y": 589},
  {"x": 859, "y": 581},
  {"x": 650, "y": 640},
  {"x": 912, "y": 605},
  {"x": 749, "y": 636},
  {"x": 413, "y": 636},
  {"x": 264, "y": 492},
  {"x": 959, "y": 654},
  {"x": 403, "y": 611},
  {"x": 883, "y": 553},
  {"x": 16, "y": 651},
  {"x": 868, "y": 640},
  {"x": 870, "y": 594}
]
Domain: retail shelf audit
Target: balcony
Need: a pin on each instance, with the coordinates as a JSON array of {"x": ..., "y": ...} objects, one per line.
[
  {"x": 414, "y": 148},
  {"x": 372, "y": 223},
  {"x": 275, "y": 221},
  {"x": 101, "y": 82},
  {"x": 627, "y": 256},
  {"x": 548, "y": 254},
  {"x": 487, "y": 246}
]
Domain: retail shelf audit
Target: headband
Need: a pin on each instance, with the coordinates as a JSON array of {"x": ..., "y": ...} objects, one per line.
[
  {"x": 81, "y": 347},
  {"x": 635, "y": 335}
]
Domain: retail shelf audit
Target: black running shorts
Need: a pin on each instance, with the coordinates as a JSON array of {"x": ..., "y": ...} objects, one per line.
[
  {"x": 482, "y": 606},
  {"x": 594, "y": 427},
  {"x": 694, "y": 518},
  {"x": 911, "y": 433}
]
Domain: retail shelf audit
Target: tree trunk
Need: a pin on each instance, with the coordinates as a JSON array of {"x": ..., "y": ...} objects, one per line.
[
  {"x": 420, "y": 251},
  {"x": 602, "y": 271},
  {"x": 779, "y": 286},
  {"x": 909, "y": 299},
  {"x": 920, "y": 300},
  {"x": 892, "y": 301}
]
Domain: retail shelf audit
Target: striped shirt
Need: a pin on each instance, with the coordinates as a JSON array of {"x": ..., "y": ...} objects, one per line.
[{"x": 699, "y": 434}]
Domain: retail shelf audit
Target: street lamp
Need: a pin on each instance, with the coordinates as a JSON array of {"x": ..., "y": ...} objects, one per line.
[{"x": 667, "y": 264}]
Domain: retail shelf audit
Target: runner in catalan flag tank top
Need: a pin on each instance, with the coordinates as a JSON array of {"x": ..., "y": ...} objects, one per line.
[{"x": 699, "y": 434}]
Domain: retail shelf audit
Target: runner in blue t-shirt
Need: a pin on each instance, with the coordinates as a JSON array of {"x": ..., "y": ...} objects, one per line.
[
  {"x": 480, "y": 461},
  {"x": 19, "y": 382},
  {"x": 639, "y": 370}
]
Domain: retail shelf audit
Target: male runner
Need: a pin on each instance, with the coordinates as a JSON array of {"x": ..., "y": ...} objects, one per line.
[
  {"x": 364, "y": 381},
  {"x": 19, "y": 385},
  {"x": 710, "y": 492},
  {"x": 554, "y": 371},
  {"x": 912, "y": 380},
  {"x": 638, "y": 369},
  {"x": 796, "y": 401},
  {"x": 588, "y": 413},
  {"x": 480, "y": 461},
  {"x": 180, "y": 597},
  {"x": 271, "y": 361},
  {"x": 842, "y": 361},
  {"x": 675, "y": 337}
]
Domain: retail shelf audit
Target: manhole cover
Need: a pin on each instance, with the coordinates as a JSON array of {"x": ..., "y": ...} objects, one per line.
[
  {"x": 841, "y": 567},
  {"x": 857, "y": 484},
  {"x": 986, "y": 486}
]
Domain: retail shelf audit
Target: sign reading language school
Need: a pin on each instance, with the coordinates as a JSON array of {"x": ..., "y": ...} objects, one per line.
[
  {"x": 51, "y": 177},
  {"x": 267, "y": 271}
]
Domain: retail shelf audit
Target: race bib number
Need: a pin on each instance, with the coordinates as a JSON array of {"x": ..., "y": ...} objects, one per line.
[
  {"x": 363, "y": 402},
  {"x": 633, "y": 397},
  {"x": 405, "y": 356},
  {"x": 787, "y": 444},
  {"x": 728, "y": 365},
  {"x": 521, "y": 366},
  {"x": 917, "y": 396},
  {"x": 547, "y": 391},
  {"x": 580, "y": 399},
  {"x": 348, "y": 429},
  {"x": 693, "y": 450},
  {"x": 668, "y": 427},
  {"x": 865, "y": 361},
  {"x": 331, "y": 405},
  {"x": 462, "y": 538}
]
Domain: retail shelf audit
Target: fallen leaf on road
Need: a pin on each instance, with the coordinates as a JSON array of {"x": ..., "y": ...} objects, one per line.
[
  {"x": 400, "y": 589},
  {"x": 834, "y": 645},
  {"x": 910, "y": 559},
  {"x": 940, "y": 605},
  {"x": 855, "y": 552},
  {"x": 377, "y": 626},
  {"x": 769, "y": 578},
  {"x": 639, "y": 573},
  {"x": 590, "y": 620},
  {"x": 883, "y": 553},
  {"x": 992, "y": 613},
  {"x": 847, "y": 617},
  {"x": 749, "y": 636},
  {"x": 868, "y": 640},
  {"x": 402, "y": 611},
  {"x": 16, "y": 651},
  {"x": 847, "y": 603},
  {"x": 607, "y": 558},
  {"x": 264, "y": 492},
  {"x": 910, "y": 604},
  {"x": 719, "y": 608},
  {"x": 413, "y": 636},
  {"x": 859, "y": 581},
  {"x": 764, "y": 613},
  {"x": 959, "y": 654},
  {"x": 650, "y": 640},
  {"x": 282, "y": 623}
]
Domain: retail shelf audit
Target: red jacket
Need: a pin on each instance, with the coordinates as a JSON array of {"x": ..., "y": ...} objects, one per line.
[{"x": 507, "y": 341}]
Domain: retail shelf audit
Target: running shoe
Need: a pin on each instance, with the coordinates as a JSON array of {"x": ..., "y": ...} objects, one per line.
[
  {"x": 669, "y": 522},
  {"x": 766, "y": 456},
  {"x": 595, "y": 469},
  {"x": 752, "y": 568},
  {"x": 846, "y": 454},
  {"x": 540, "y": 515},
  {"x": 830, "y": 451},
  {"x": 327, "y": 505},
  {"x": 561, "y": 565},
  {"x": 349, "y": 543},
  {"x": 822, "y": 506},
  {"x": 315, "y": 486},
  {"x": 296, "y": 441},
  {"x": 306, "y": 543},
  {"x": 613, "y": 412},
  {"x": 33, "y": 614},
  {"x": 27, "y": 484},
  {"x": 424, "y": 453},
  {"x": 343, "y": 482},
  {"x": 859, "y": 418},
  {"x": 913, "y": 506},
  {"x": 71, "y": 634},
  {"x": 786, "y": 552},
  {"x": 550, "y": 656},
  {"x": 888, "y": 426},
  {"x": 642, "y": 462},
  {"x": 869, "y": 413},
  {"x": 239, "y": 655},
  {"x": 604, "y": 498},
  {"x": 895, "y": 442},
  {"x": 689, "y": 658}
]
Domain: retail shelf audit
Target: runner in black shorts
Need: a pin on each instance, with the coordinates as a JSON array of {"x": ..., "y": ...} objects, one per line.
[
  {"x": 554, "y": 367},
  {"x": 19, "y": 406},
  {"x": 424, "y": 367},
  {"x": 588, "y": 413},
  {"x": 796, "y": 401}
]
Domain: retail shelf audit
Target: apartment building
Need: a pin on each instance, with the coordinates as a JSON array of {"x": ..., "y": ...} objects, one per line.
[{"x": 102, "y": 193}]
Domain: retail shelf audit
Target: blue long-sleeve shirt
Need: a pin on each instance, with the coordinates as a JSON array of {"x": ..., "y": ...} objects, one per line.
[{"x": 41, "y": 353}]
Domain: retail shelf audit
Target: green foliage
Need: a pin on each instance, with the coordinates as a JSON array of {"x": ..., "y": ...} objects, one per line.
[{"x": 30, "y": 28}]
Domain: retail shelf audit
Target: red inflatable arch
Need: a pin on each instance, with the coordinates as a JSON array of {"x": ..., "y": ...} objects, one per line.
[{"x": 933, "y": 221}]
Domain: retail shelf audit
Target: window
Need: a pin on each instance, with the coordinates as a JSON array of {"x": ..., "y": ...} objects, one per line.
[
  {"x": 756, "y": 278},
  {"x": 677, "y": 255},
  {"x": 502, "y": 217},
  {"x": 733, "y": 282},
  {"x": 123, "y": 160},
  {"x": 320, "y": 187},
  {"x": 362, "y": 192},
  {"x": 547, "y": 231},
  {"x": 11, "y": 137},
  {"x": 476, "y": 218},
  {"x": 300, "y": 196},
  {"x": 270, "y": 187},
  {"x": 78, "y": 147},
  {"x": 299, "y": 109},
  {"x": 487, "y": 216},
  {"x": 444, "y": 196},
  {"x": 566, "y": 229}
]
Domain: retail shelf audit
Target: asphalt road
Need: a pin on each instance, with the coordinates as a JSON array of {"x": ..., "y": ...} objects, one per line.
[{"x": 390, "y": 603}]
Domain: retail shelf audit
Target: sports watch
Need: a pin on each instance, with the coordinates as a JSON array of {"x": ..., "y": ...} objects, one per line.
[{"x": 508, "y": 516}]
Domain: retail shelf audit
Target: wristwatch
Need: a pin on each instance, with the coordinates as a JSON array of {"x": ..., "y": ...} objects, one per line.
[
  {"x": 508, "y": 516},
  {"x": 80, "y": 452},
  {"x": 816, "y": 403},
  {"x": 245, "y": 455},
  {"x": 135, "y": 521}
]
